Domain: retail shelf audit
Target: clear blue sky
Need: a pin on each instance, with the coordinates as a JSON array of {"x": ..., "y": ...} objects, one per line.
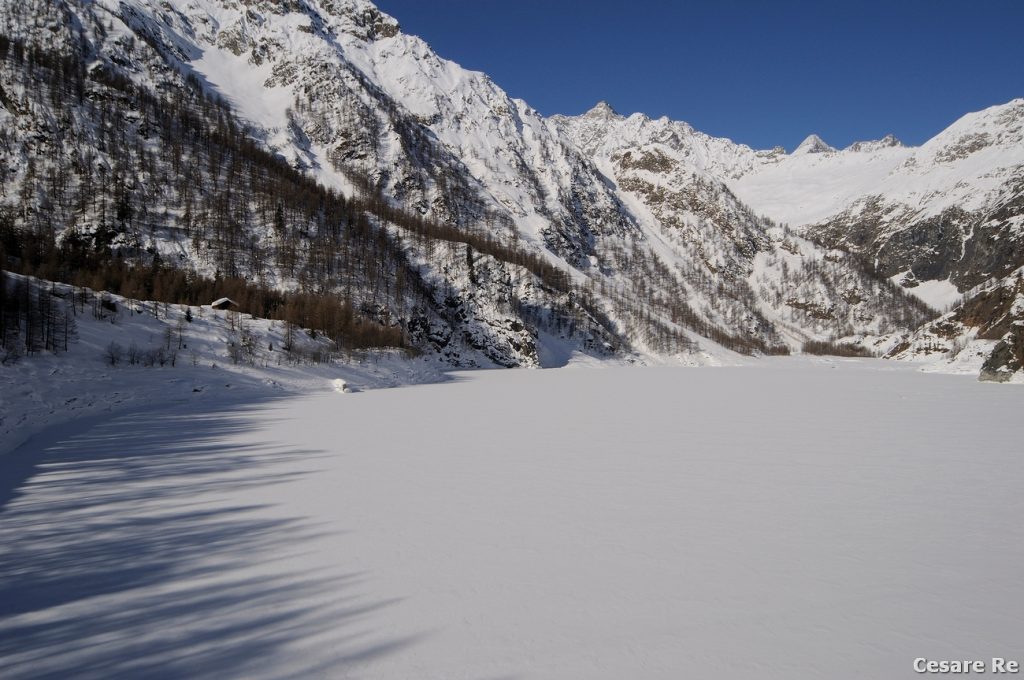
[{"x": 762, "y": 73}]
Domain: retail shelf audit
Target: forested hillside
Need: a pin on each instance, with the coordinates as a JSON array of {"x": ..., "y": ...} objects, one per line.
[
  {"x": 320, "y": 166},
  {"x": 166, "y": 196}
]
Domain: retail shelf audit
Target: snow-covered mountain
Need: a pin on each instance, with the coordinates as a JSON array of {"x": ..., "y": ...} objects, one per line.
[
  {"x": 148, "y": 113},
  {"x": 665, "y": 241},
  {"x": 983, "y": 333},
  {"x": 948, "y": 212}
]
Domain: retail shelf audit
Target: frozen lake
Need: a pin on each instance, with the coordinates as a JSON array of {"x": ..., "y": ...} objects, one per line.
[{"x": 794, "y": 519}]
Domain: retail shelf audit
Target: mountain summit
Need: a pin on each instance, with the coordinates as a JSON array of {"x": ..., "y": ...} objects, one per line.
[
  {"x": 498, "y": 234},
  {"x": 602, "y": 111},
  {"x": 813, "y": 144}
]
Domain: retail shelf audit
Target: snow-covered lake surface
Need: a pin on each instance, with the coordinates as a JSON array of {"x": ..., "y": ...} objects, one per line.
[{"x": 794, "y": 519}]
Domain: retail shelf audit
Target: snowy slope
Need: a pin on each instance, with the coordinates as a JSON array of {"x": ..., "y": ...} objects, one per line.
[
  {"x": 738, "y": 267},
  {"x": 965, "y": 166},
  {"x": 983, "y": 334},
  {"x": 674, "y": 239},
  {"x": 162, "y": 357},
  {"x": 929, "y": 210},
  {"x": 460, "y": 282},
  {"x": 337, "y": 87},
  {"x": 434, "y": 125}
]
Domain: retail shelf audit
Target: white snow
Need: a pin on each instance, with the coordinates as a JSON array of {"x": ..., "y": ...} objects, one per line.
[
  {"x": 806, "y": 188},
  {"x": 242, "y": 85},
  {"x": 964, "y": 165},
  {"x": 813, "y": 144},
  {"x": 308, "y": 75},
  {"x": 798, "y": 519},
  {"x": 940, "y": 295},
  {"x": 44, "y": 391}
]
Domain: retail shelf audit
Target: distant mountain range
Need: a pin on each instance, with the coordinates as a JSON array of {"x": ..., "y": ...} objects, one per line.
[{"x": 193, "y": 134}]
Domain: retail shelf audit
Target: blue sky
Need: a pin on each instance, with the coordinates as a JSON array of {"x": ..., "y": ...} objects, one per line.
[{"x": 761, "y": 73}]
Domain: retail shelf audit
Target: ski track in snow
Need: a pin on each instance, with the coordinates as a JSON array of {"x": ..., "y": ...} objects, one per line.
[{"x": 800, "y": 518}]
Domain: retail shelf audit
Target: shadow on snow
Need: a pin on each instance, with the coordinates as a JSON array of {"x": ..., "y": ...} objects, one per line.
[{"x": 110, "y": 566}]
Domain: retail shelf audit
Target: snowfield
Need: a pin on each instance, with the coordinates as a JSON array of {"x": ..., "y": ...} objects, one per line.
[
  {"x": 46, "y": 390},
  {"x": 800, "y": 518}
]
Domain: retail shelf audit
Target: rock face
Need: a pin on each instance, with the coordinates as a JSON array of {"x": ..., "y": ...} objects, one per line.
[
  {"x": 813, "y": 144},
  {"x": 984, "y": 333},
  {"x": 875, "y": 144},
  {"x": 620, "y": 235},
  {"x": 948, "y": 210},
  {"x": 1007, "y": 358},
  {"x": 776, "y": 283},
  {"x": 176, "y": 130}
]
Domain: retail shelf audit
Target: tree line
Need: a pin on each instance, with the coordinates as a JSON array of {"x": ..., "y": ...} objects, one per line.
[
  {"x": 135, "y": 192},
  {"x": 33, "y": 318}
]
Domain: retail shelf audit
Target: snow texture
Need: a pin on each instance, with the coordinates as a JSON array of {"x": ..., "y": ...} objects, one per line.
[
  {"x": 798, "y": 519},
  {"x": 636, "y": 209},
  {"x": 43, "y": 391}
]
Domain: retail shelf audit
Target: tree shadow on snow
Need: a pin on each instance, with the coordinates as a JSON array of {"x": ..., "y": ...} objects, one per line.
[{"x": 111, "y": 567}]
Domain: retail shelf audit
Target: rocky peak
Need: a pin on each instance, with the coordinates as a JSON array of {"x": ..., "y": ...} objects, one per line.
[
  {"x": 602, "y": 111},
  {"x": 813, "y": 144},
  {"x": 361, "y": 19},
  {"x": 886, "y": 142}
]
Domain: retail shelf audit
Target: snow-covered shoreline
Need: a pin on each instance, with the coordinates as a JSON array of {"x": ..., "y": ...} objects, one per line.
[
  {"x": 46, "y": 391},
  {"x": 39, "y": 395},
  {"x": 199, "y": 361}
]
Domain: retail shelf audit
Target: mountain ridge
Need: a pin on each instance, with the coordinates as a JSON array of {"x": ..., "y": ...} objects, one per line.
[{"x": 666, "y": 227}]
